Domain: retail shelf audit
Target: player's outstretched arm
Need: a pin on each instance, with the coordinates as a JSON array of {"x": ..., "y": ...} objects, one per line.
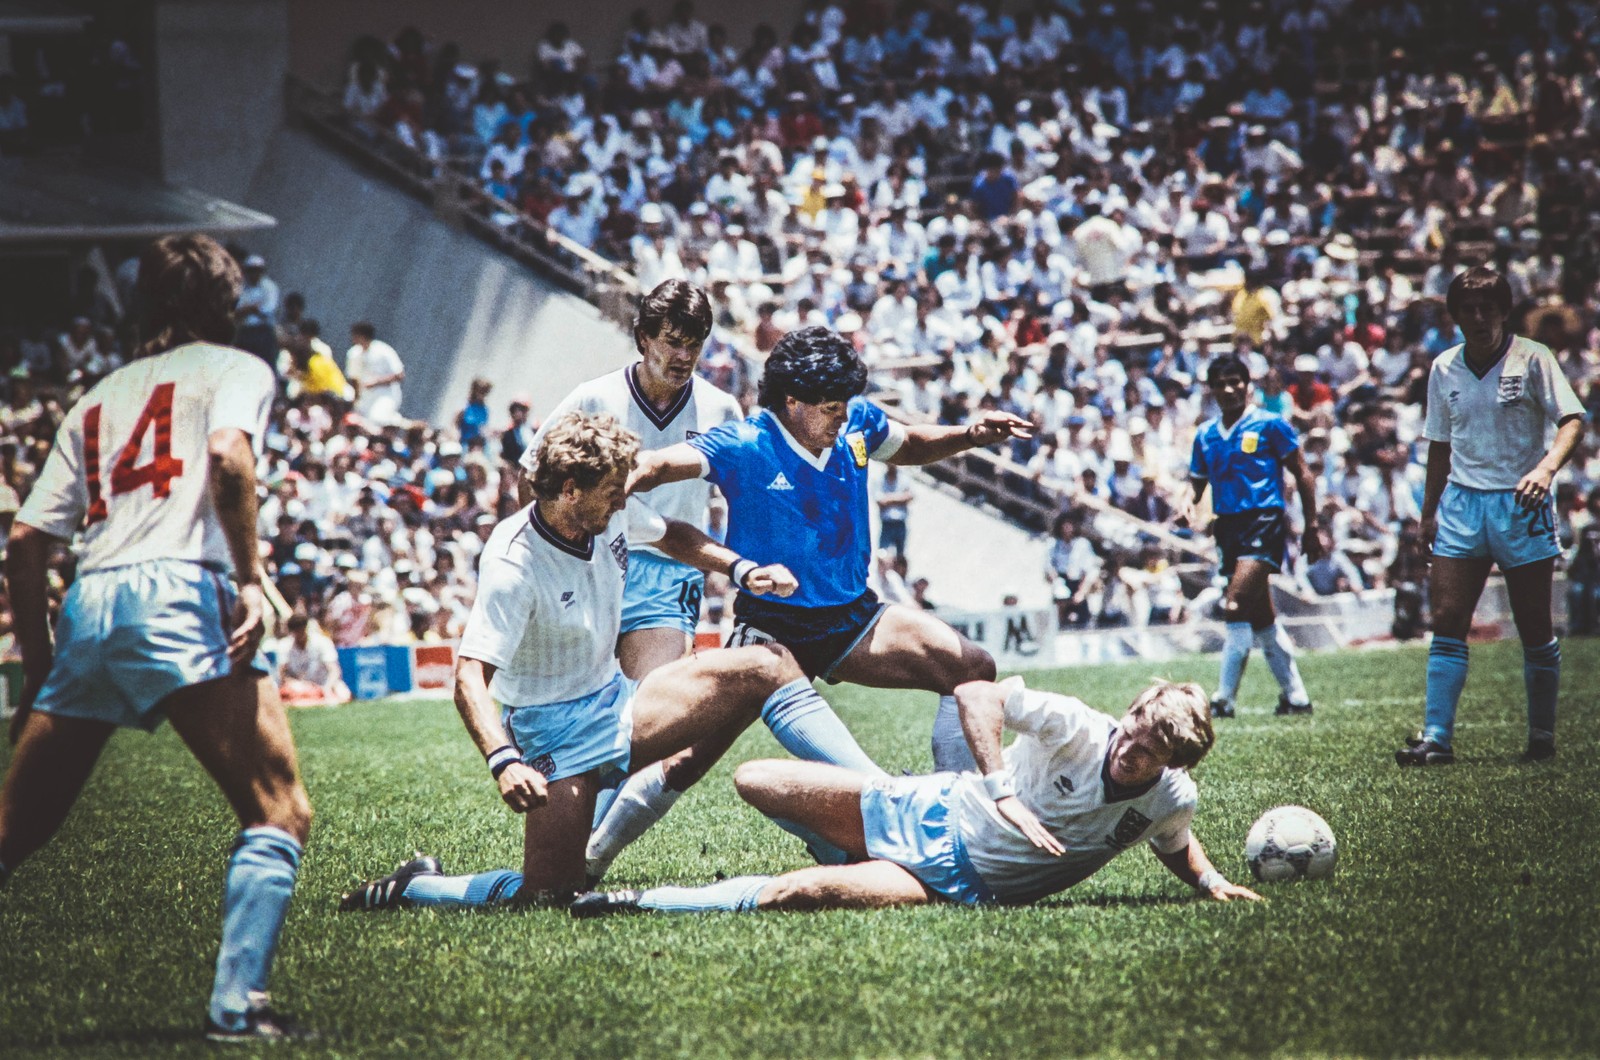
[
  {"x": 521, "y": 786},
  {"x": 691, "y": 546},
  {"x": 1193, "y": 867},
  {"x": 27, "y": 580},
  {"x": 928, "y": 443},
  {"x": 657, "y": 467}
]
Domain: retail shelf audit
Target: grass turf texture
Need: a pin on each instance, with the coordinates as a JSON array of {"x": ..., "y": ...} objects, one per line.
[{"x": 1462, "y": 919}]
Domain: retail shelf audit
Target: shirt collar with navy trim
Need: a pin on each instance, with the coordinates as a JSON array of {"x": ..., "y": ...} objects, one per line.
[
  {"x": 660, "y": 419},
  {"x": 583, "y": 551}
]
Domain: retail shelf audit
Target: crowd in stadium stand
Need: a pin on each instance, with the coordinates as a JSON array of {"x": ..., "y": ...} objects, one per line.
[{"x": 1067, "y": 210}]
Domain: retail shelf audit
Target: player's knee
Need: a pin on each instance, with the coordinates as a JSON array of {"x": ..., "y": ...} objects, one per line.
[
  {"x": 977, "y": 665},
  {"x": 756, "y": 780},
  {"x": 777, "y": 667}
]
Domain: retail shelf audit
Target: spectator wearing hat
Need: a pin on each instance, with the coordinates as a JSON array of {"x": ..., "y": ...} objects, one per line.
[{"x": 256, "y": 313}]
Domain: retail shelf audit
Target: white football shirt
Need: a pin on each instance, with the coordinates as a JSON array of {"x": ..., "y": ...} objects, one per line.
[
  {"x": 1058, "y": 764},
  {"x": 1499, "y": 426},
  {"x": 699, "y": 408},
  {"x": 548, "y": 611},
  {"x": 130, "y": 463}
]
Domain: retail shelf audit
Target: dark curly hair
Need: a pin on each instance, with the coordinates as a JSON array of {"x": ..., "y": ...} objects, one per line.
[
  {"x": 1227, "y": 364},
  {"x": 813, "y": 365},
  {"x": 677, "y": 306}
]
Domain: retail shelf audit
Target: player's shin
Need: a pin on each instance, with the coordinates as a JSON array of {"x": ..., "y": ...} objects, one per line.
[
  {"x": 643, "y": 801},
  {"x": 807, "y": 728},
  {"x": 1447, "y": 676},
  {"x": 951, "y": 753},
  {"x": 1541, "y": 673},
  {"x": 1275, "y": 645},
  {"x": 483, "y": 888},
  {"x": 738, "y": 895},
  {"x": 260, "y": 882}
]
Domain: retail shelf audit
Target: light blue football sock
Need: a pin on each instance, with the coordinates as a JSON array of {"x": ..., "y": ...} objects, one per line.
[
  {"x": 951, "y": 753},
  {"x": 738, "y": 895},
  {"x": 604, "y": 798},
  {"x": 483, "y": 888},
  {"x": 808, "y": 728},
  {"x": 820, "y": 849},
  {"x": 1235, "y": 653},
  {"x": 255, "y": 899},
  {"x": 1275, "y": 644},
  {"x": 1447, "y": 676},
  {"x": 1541, "y": 673}
]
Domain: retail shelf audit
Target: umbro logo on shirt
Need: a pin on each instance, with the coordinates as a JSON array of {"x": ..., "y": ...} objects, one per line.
[
  {"x": 566, "y": 598},
  {"x": 780, "y": 483}
]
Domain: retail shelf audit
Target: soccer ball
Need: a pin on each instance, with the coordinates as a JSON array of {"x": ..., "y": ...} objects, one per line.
[{"x": 1290, "y": 843}]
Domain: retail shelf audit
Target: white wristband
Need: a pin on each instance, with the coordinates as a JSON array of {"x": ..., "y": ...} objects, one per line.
[
  {"x": 999, "y": 786},
  {"x": 741, "y": 570},
  {"x": 1210, "y": 881}
]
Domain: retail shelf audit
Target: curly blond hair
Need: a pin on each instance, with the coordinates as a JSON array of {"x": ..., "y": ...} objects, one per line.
[
  {"x": 1180, "y": 717},
  {"x": 585, "y": 447}
]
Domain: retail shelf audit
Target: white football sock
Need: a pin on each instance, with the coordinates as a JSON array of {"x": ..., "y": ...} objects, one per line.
[
  {"x": 951, "y": 753},
  {"x": 643, "y": 801}
]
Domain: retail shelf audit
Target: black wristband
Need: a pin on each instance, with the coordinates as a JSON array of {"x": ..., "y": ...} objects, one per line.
[{"x": 501, "y": 758}]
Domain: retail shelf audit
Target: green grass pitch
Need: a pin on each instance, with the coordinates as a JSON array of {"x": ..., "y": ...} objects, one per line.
[{"x": 1463, "y": 918}]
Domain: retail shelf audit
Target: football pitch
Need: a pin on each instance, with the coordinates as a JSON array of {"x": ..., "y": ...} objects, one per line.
[{"x": 1463, "y": 918}]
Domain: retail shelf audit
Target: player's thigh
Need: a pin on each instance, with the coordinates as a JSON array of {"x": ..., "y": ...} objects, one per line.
[
  {"x": 1529, "y": 590},
  {"x": 52, "y": 760},
  {"x": 867, "y": 885},
  {"x": 909, "y": 648},
  {"x": 554, "y": 837},
  {"x": 236, "y": 727},
  {"x": 824, "y": 798},
  {"x": 642, "y": 651},
  {"x": 1249, "y": 594},
  {"x": 1454, "y": 585},
  {"x": 684, "y": 701}
]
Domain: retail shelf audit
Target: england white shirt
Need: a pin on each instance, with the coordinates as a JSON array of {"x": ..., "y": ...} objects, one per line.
[
  {"x": 699, "y": 408},
  {"x": 131, "y": 460},
  {"x": 548, "y": 610},
  {"x": 1058, "y": 764},
  {"x": 1501, "y": 425}
]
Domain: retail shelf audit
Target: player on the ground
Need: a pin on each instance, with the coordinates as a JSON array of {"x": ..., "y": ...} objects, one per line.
[
  {"x": 156, "y": 467},
  {"x": 541, "y": 642},
  {"x": 1242, "y": 455},
  {"x": 795, "y": 479},
  {"x": 1494, "y": 403},
  {"x": 663, "y": 401},
  {"x": 1075, "y": 789}
]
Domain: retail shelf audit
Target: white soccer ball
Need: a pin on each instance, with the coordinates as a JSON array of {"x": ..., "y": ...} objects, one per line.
[{"x": 1290, "y": 843}]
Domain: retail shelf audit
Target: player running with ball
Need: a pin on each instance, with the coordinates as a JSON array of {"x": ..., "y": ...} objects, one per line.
[
  {"x": 1502, "y": 420},
  {"x": 156, "y": 467}
]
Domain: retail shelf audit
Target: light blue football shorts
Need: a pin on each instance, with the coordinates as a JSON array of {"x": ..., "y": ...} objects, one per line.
[
  {"x": 1477, "y": 523},
  {"x": 130, "y": 636},
  {"x": 911, "y": 822},
  {"x": 661, "y": 594},
  {"x": 594, "y": 732}
]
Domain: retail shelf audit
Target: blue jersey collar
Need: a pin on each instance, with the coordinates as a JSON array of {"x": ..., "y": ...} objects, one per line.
[
  {"x": 818, "y": 462},
  {"x": 1227, "y": 432}
]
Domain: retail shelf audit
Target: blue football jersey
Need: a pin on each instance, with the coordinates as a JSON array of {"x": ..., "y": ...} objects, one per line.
[
  {"x": 1245, "y": 463},
  {"x": 807, "y": 512}
]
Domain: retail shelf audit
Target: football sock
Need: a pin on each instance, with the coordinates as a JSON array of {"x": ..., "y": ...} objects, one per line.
[
  {"x": 1447, "y": 676},
  {"x": 255, "y": 899},
  {"x": 1275, "y": 645},
  {"x": 604, "y": 798},
  {"x": 1235, "y": 652},
  {"x": 737, "y": 895},
  {"x": 824, "y": 852},
  {"x": 483, "y": 888},
  {"x": 950, "y": 751},
  {"x": 808, "y": 728},
  {"x": 1541, "y": 672},
  {"x": 643, "y": 800}
]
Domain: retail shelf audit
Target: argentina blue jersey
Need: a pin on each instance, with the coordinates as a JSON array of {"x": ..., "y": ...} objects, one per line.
[
  {"x": 807, "y": 512},
  {"x": 1244, "y": 463}
]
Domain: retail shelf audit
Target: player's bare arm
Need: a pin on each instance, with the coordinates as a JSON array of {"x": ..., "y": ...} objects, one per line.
[
  {"x": 1534, "y": 489},
  {"x": 1433, "y": 490},
  {"x": 1189, "y": 507},
  {"x": 1306, "y": 485},
  {"x": 657, "y": 467},
  {"x": 982, "y": 705},
  {"x": 521, "y": 786},
  {"x": 690, "y": 546},
  {"x": 1193, "y": 867},
  {"x": 930, "y": 443},
  {"x": 232, "y": 469},
  {"x": 27, "y": 573}
]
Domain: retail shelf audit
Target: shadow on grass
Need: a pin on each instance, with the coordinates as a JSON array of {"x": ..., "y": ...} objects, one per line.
[{"x": 1113, "y": 901}]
